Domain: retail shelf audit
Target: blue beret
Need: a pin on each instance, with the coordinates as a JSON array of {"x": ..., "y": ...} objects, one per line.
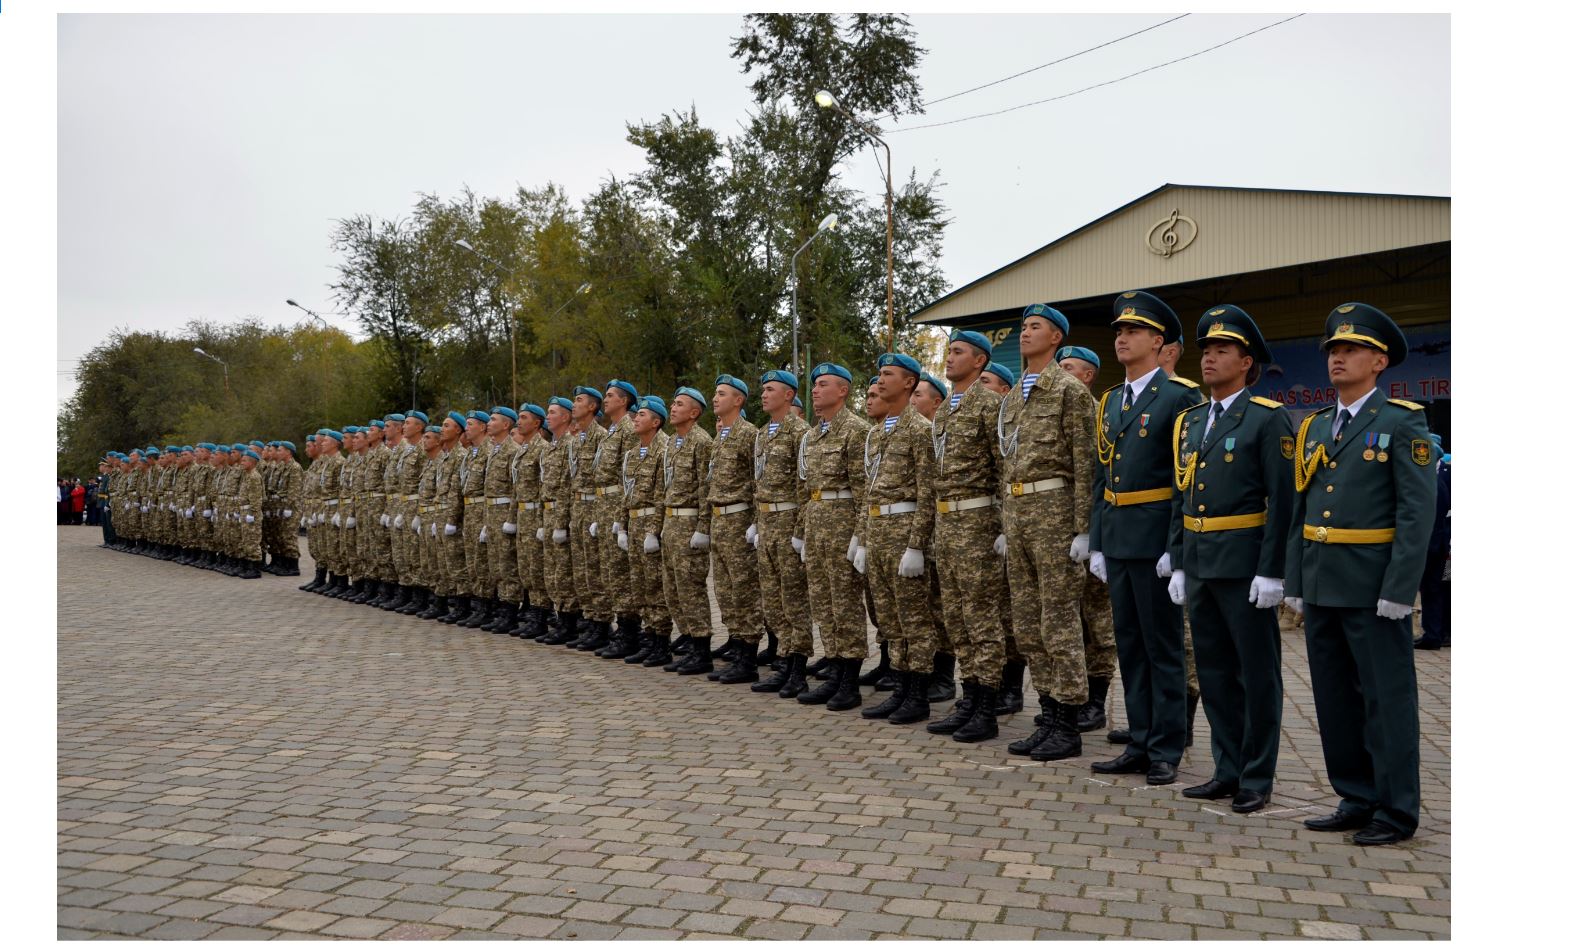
[
  {"x": 350, "y": 430},
  {"x": 394, "y": 418},
  {"x": 333, "y": 433},
  {"x": 780, "y": 377},
  {"x": 287, "y": 445},
  {"x": 975, "y": 339},
  {"x": 152, "y": 451},
  {"x": 456, "y": 417},
  {"x": 588, "y": 391},
  {"x": 170, "y": 447},
  {"x": 255, "y": 443},
  {"x": 731, "y": 381},
  {"x": 182, "y": 449},
  {"x": 904, "y": 361},
  {"x": 418, "y": 416},
  {"x": 625, "y": 387},
  {"x": 253, "y": 455},
  {"x": 1039, "y": 310},
  {"x": 656, "y": 406},
  {"x": 508, "y": 412},
  {"x": 221, "y": 448},
  {"x": 1145, "y": 310},
  {"x": 562, "y": 402},
  {"x": 937, "y": 384},
  {"x": 310, "y": 437},
  {"x": 204, "y": 445},
  {"x": 1004, "y": 373},
  {"x": 1077, "y": 351},
  {"x": 834, "y": 370},
  {"x": 480, "y": 415},
  {"x": 535, "y": 409},
  {"x": 797, "y": 402},
  {"x": 693, "y": 394},
  {"x": 379, "y": 423}
]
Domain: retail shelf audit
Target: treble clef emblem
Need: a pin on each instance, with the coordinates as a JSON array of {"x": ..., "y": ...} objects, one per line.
[{"x": 1169, "y": 236}]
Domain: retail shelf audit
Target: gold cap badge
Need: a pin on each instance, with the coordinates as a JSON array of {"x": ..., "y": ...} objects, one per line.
[
  {"x": 1128, "y": 311},
  {"x": 1345, "y": 329},
  {"x": 1217, "y": 328}
]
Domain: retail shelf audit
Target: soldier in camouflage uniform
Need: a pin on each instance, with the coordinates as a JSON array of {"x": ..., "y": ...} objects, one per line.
[
  {"x": 377, "y": 539},
  {"x": 831, "y": 466},
  {"x": 447, "y": 521},
  {"x": 473, "y": 580},
  {"x": 530, "y": 539},
  {"x": 249, "y": 495},
  {"x": 403, "y": 482},
  {"x": 732, "y": 559},
  {"x": 779, "y": 498},
  {"x": 926, "y": 400},
  {"x": 617, "y": 405},
  {"x": 685, "y": 535},
  {"x": 583, "y": 443},
  {"x": 644, "y": 514},
  {"x": 502, "y": 526},
  {"x": 427, "y": 568},
  {"x": 893, "y": 537},
  {"x": 311, "y": 510},
  {"x": 1046, "y": 440},
  {"x": 557, "y": 501},
  {"x": 370, "y": 501},
  {"x": 329, "y": 469},
  {"x": 289, "y": 484}
]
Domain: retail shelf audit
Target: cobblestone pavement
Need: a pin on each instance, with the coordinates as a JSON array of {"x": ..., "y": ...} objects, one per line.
[{"x": 241, "y": 760}]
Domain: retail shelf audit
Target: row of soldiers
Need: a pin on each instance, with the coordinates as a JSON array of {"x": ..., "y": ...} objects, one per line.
[
  {"x": 961, "y": 517},
  {"x": 223, "y": 507}
]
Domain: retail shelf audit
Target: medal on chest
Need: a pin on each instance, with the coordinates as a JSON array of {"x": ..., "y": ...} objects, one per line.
[
  {"x": 1143, "y": 429},
  {"x": 1228, "y": 449}
]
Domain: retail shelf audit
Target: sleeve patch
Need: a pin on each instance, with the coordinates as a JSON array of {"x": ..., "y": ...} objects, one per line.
[
  {"x": 1421, "y": 451},
  {"x": 1286, "y": 446}
]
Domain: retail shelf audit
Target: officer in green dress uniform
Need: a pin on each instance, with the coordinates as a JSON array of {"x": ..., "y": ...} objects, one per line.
[
  {"x": 1131, "y": 534},
  {"x": 1365, "y": 504},
  {"x": 1235, "y": 476}
]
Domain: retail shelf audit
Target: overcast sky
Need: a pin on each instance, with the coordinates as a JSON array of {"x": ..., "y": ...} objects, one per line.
[{"x": 204, "y": 158}]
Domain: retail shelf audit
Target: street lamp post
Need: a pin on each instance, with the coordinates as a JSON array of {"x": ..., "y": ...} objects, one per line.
[
  {"x": 513, "y": 344},
  {"x": 828, "y": 223},
  {"x": 221, "y": 362},
  {"x": 826, "y": 100},
  {"x": 308, "y": 312}
]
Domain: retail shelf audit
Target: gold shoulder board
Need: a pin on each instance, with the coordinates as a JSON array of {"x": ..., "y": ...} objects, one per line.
[
  {"x": 1266, "y": 402},
  {"x": 1408, "y": 404},
  {"x": 1184, "y": 380}
]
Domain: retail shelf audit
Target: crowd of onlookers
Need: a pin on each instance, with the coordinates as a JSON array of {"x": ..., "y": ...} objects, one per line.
[{"x": 76, "y": 502}]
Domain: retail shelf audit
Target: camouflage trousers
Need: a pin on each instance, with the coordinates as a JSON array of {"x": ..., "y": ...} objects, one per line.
[
  {"x": 248, "y": 535},
  {"x": 558, "y": 566},
  {"x": 476, "y": 579},
  {"x": 735, "y": 565},
  {"x": 972, "y": 590},
  {"x": 428, "y": 565},
  {"x": 502, "y": 562},
  {"x": 450, "y": 552},
  {"x": 835, "y": 589},
  {"x": 401, "y": 514},
  {"x": 373, "y": 551},
  {"x": 616, "y": 589},
  {"x": 902, "y": 602},
  {"x": 1045, "y": 592},
  {"x": 1097, "y": 629},
  {"x": 586, "y": 560},
  {"x": 783, "y": 583},
  {"x": 942, "y": 641},
  {"x": 530, "y": 555},
  {"x": 683, "y": 574},
  {"x": 646, "y": 570}
]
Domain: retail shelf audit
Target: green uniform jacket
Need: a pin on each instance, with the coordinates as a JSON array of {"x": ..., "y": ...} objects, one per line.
[
  {"x": 1346, "y": 490},
  {"x": 1130, "y": 462}
]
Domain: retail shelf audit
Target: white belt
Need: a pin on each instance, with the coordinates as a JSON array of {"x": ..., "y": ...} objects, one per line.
[
  {"x": 778, "y": 506},
  {"x": 1042, "y": 485},
  {"x": 529, "y": 505},
  {"x": 586, "y": 497},
  {"x": 962, "y": 505},
  {"x": 825, "y": 495},
  {"x": 729, "y": 509},
  {"x": 681, "y": 513},
  {"x": 333, "y": 502},
  {"x": 608, "y": 490},
  {"x": 504, "y": 500},
  {"x": 641, "y": 513},
  {"x": 894, "y": 508}
]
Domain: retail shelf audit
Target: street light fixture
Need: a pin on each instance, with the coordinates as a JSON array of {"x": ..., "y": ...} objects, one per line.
[
  {"x": 221, "y": 361},
  {"x": 828, "y": 223},
  {"x": 825, "y": 100},
  {"x": 308, "y": 312}
]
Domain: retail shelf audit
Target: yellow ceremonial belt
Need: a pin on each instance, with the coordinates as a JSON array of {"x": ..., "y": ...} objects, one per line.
[
  {"x": 1138, "y": 498},
  {"x": 1349, "y": 536},
  {"x": 1225, "y": 523}
]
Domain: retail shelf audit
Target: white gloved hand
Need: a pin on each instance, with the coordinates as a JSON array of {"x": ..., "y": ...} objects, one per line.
[
  {"x": 249, "y": 520},
  {"x": 752, "y": 535},
  {"x": 1079, "y": 546},
  {"x": 797, "y": 546},
  {"x": 1266, "y": 593},
  {"x": 509, "y": 528},
  {"x": 652, "y": 544},
  {"x": 560, "y": 536},
  {"x": 398, "y": 521},
  {"x": 349, "y": 522},
  {"x": 383, "y": 520},
  {"x": 999, "y": 545},
  {"x": 860, "y": 559},
  {"x": 416, "y": 523},
  {"x": 450, "y": 530},
  {"x": 1296, "y": 604},
  {"x": 482, "y": 538},
  {"x": 699, "y": 542},
  {"x": 1177, "y": 587},
  {"x": 617, "y": 528},
  {"x": 911, "y": 565},
  {"x": 144, "y": 508},
  {"x": 1165, "y": 567},
  {"x": 432, "y": 529},
  {"x": 336, "y": 519},
  {"x": 592, "y": 529},
  {"x": 852, "y": 548},
  {"x": 540, "y": 534},
  {"x": 1099, "y": 569},
  {"x": 622, "y": 540},
  {"x": 1388, "y": 610},
  {"x": 207, "y": 513},
  {"x": 288, "y": 513}
]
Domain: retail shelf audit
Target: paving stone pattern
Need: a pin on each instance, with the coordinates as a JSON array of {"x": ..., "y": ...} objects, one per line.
[{"x": 239, "y": 760}]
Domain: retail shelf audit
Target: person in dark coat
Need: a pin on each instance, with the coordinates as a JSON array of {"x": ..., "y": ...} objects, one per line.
[{"x": 1436, "y": 586}]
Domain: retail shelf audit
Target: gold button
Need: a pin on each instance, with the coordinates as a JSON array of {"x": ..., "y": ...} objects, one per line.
[
  {"x": 1201, "y": 508},
  {"x": 1327, "y": 514},
  {"x": 1329, "y": 488},
  {"x": 1117, "y": 456},
  {"x": 1122, "y": 436},
  {"x": 1116, "y": 478},
  {"x": 1333, "y": 464},
  {"x": 1201, "y": 485},
  {"x": 1204, "y": 465}
]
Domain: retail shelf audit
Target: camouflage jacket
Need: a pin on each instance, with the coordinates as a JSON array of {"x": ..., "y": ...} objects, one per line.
[
  {"x": 732, "y": 464},
  {"x": 685, "y": 465},
  {"x": 899, "y": 463},
  {"x": 1049, "y": 435}
]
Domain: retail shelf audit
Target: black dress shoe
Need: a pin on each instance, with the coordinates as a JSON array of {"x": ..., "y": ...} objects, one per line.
[
  {"x": 1119, "y": 736},
  {"x": 1340, "y": 820},
  {"x": 1211, "y": 791},
  {"x": 1248, "y": 800},
  {"x": 1161, "y": 772},
  {"x": 1129, "y": 762},
  {"x": 1377, "y": 834},
  {"x": 1427, "y": 643}
]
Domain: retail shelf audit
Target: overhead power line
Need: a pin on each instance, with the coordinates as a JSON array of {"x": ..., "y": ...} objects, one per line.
[{"x": 1132, "y": 75}]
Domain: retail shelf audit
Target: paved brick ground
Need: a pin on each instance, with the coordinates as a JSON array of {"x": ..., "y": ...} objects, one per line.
[{"x": 241, "y": 760}]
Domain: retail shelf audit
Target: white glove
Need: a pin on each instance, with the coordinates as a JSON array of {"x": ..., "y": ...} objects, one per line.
[
  {"x": 852, "y": 546},
  {"x": 448, "y": 530},
  {"x": 911, "y": 565},
  {"x": 560, "y": 536},
  {"x": 336, "y": 520},
  {"x": 1266, "y": 593},
  {"x": 540, "y": 534},
  {"x": 398, "y": 521},
  {"x": 383, "y": 520},
  {"x": 288, "y": 513},
  {"x": 617, "y": 528},
  {"x": 349, "y": 522},
  {"x": 752, "y": 535},
  {"x": 797, "y": 546},
  {"x": 860, "y": 560},
  {"x": 1099, "y": 569},
  {"x": 415, "y": 523},
  {"x": 144, "y": 508},
  {"x": 509, "y": 528},
  {"x": 1296, "y": 604},
  {"x": 1388, "y": 610},
  {"x": 622, "y": 540},
  {"x": 699, "y": 542},
  {"x": 482, "y": 538},
  {"x": 1177, "y": 587},
  {"x": 592, "y": 529},
  {"x": 1079, "y": 550},
  {"x": 999, "y": 545},
  {"x": 249, "y": 520},
  {"x": 433, "y": 530},
  {"x": 1165, "y": 567},
  {"x": 652, "y": 544}
]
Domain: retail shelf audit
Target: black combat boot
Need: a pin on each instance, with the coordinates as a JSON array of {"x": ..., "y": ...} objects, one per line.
[
  {"x": 630, "y": 633},
  {"x": 290, "y": 567},
  {"x": 249, "y": 570},
  {"x": 821, "y": 693},
  {"x": 1063, "y": 740},
  {"x": 316, "y": 582},
  {"x": 507, "y": 618},
  {"x": 661, "y": 650},
  {"x": 745, "y": 669},
  {"x": 915, "y": 707},
  {"x": 414, "y": 602},
  {"x": 893, "y": 702},
  {"x": 595, "y": 639},
  {"x": 683, "y": 645},
  {"x": 1091, "y": 716},
  {"x": 820, "y": 668},
  {"x": 847, "y": 695},
  {"x": 435, "y": 606},
  {"x": 960, "y": 713},
  {"x": 1044, "y": 730},
  {"x": 398, "y": 597},
  {"x": 480, "y": 612},
  {"x": 702, "y": 662},
  {"x": 797, "y": 680},
  {"x": 568, "y": 623},
  {"x": 983, "y": 725},
  {"x": 643, "y": 650},
  {"x": 1010, "y": 698},
  {"x": 880, "y": 670},
  {"x": 727, "y": 652},
  {"x": 335, "y": 586},
  {"x": 534, "y": 625},
  {"x": 767, "y": 656},
  {"x": 1191, "y": 701},
  {"x": 458, "y": 609},
  {"x": 942, "y": 685},
  {"x": 774, "y": 683}
]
